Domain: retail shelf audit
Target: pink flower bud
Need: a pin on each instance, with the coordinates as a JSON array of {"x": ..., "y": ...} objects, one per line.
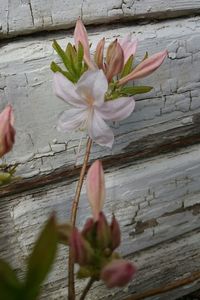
[
  {"x": 114, "y": 60},
  {"x": 129, "y": 46},
  {"x": 80, "y": 35},
  {"x": 88, "y": 228},
  {"x": 82, "y": 252},
  {"x": 7, "y": 131},
  {"x": 118, "y": 273},
  {"x": 145, "y": 68},
  {"x": 99, "y": 54},
  {"x": 96, "y": 188},
  {"x": 103, "y": 233},
  {"x": 115, "y": 233}
]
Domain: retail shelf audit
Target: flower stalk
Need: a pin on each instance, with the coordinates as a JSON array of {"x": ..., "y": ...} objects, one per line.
[{"x": 71, "y": 289}]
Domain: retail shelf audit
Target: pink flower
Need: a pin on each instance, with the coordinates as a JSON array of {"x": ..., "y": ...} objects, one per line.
[
  {"x": 80, "y": 35},
  {"x": 89, "y": 109},
  {"x": 118, "y": 273},
  {"x": 7, "y": 131},
  {"x": 145, "y": 68},
  {"x": 129, "y": 46},
  {"x": 95, "y": 183}
]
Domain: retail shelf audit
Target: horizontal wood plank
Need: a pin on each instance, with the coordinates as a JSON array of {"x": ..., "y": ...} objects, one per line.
[
  {"x": 157, "y": 204},
  {"x": 18, "y": 17},
  {"x": 26, "y": 82}
]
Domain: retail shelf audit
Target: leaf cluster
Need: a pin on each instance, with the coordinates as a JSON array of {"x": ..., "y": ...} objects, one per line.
[{"x": 72, "y": 59}]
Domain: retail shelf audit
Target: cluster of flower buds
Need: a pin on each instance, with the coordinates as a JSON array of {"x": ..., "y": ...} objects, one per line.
[
  {"x": 94, "y": 247},
  {"x": 117, "y": 66}
]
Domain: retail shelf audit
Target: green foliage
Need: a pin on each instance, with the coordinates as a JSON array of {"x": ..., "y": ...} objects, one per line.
[
  {"x": 10, "y": 287},
  {"x": 127, "y": 67},
  {"x": 72, "y": 59},
  {"x": 7, "y": 173},
  {"x": 39, "y": 264},
  {"x": 133, "y": 90}
]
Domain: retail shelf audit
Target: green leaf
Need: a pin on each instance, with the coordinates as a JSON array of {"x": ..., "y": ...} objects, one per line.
[
  {"x": 41, "y": 259},
  {"x": 64, "y": 231},
  {"x": 65, "y": 58},
  {"x": 145, "y": 56},
  {"x": 5, "y": 177},
  {"x": 10, "y": 286},
  {"x": 72, "y": 57},
  {"x": 127, "y": 67},
  {"x": 133, "y": 90},
  {"x": 80, "y": 55},
  {"x": 55, "y": 68}
]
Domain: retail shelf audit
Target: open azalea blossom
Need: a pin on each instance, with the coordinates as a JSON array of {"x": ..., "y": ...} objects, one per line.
[{"x": 89, "y": 109}]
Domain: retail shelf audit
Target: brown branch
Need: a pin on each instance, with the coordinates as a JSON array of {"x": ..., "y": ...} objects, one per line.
[
  {"x": 176, "y": 284},
  {"x": 87, "y": 288},
  {"x": 71, "y": 289}
]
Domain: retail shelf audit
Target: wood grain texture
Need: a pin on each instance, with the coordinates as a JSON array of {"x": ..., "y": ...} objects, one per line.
[
  {"x": 26, "y": 82},
  {"x": 157, "y": 204},
  {"x": 18, "y": 17}
]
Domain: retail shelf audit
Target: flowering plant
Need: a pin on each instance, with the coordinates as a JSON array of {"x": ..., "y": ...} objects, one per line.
[{"x": 96, "y": 89}]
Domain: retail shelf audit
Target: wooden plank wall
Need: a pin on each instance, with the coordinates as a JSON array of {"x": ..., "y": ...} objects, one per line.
[{"x": 152, "y": 172}]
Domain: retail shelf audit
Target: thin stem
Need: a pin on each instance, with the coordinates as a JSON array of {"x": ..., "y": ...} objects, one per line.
[
  {"x": 87, "y": 288},
  {"x": 174, "y": 285},
  {"x": 71, "y": 289}
]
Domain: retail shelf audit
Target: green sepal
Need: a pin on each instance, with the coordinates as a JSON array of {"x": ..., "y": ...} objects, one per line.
[
  {"x": 10, "y": 286},
  {"x": 127, "y": 67},
  {"x": 5, "y": 177},
  {"x": 41, "y": 259}
]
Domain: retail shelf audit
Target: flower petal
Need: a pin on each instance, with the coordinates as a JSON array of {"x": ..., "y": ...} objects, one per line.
[
  {"x": 80, "y": 35},
  {"x": 118, "y": 109},
  {"x": 72, "y": 119},
  {"x": 99, "y": 131},
  {"x": 65, "y": 90},
  {"x": 93, "y": 85}
]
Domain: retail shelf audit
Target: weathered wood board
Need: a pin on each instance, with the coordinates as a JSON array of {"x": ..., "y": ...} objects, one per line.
[
  {"x": 157, "y": 202},
  {"x": 152, "y": 173},
  {"x": 19, "y": 17},
  {"x": 26, "y": 82}
]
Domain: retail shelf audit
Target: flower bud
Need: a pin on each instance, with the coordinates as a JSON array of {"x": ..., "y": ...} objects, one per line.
[
  {"x": 88, "y": 229},
  {"x": 118, "y": 273},
  {"x": 80, "y": 35},
  {"x": 103, "y": 232},
  {"x": 99, "y": 54},
  {"x": 129, "y": 46},
  {"x": 82, "y": 252},
  {"x": 145, "y": 68},
  {"x": 96, "y": 188},
  {"x": 7, "y": 131},
  {"x": 115, "y": 61},
  {"x": 115, "y": 233}
]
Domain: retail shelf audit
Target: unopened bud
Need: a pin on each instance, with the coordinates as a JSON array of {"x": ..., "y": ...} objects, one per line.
[
  {"x": 118, "y": 273},
  {"x": 115, "y": 60},
  {"x": 7, "y": 131},
  {"x": 99, "y": 54},
  {"x": 103, "y": 232},
  {"x": 115, "y": 233},
  {"x": 96, "y": 188},
  {"x": 82, "y": 252}
]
